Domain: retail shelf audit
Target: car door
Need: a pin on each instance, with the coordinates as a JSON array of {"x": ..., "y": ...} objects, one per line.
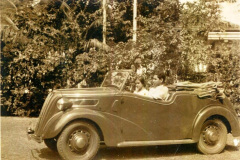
[{"x": 146, "y": 119}]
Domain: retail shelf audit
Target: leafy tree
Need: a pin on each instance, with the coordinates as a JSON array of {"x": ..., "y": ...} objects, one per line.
[
  {"x": 158, "y": 40},
  {"x": 7, "y": 10},
  {"x": 39, "y": 55},
  {"x": 57, "y": 44},
  {"x": 172, "y": 37}
]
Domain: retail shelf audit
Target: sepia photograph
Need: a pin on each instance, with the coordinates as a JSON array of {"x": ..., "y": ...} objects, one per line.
[{"x": 120, "y": 79}]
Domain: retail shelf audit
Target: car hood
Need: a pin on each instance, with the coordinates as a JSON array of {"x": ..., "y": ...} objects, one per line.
[{"x": 87, "y": 91}]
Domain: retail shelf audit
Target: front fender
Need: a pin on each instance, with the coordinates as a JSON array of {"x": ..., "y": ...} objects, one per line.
[
  {"x": 211, "y": 111},
  {"x": 56, "y": 124}
]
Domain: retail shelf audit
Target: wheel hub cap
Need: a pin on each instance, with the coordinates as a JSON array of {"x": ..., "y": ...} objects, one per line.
[
  {"x": 79, "y": 141},
  {"x": 211, "y": 135}
]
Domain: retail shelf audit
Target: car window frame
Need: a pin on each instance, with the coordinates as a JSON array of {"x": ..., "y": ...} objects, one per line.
[{"x": 124, "y": 82}]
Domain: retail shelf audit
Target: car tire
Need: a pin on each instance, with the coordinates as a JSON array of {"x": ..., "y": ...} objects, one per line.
[
  {"x": 79, "y": 140},
  {"x": 51, "y": 144},
  {"x": 213, "y": 137}
]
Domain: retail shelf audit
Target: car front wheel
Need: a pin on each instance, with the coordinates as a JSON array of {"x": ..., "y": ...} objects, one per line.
[
  {"x": 213, "y": 137},
  {"x": 79, "y": 140}
]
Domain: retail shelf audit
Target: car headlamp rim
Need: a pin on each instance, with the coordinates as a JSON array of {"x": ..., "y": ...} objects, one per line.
[
  {"x": 63, "y": 104},
  {"x": 60, "y": 101}
]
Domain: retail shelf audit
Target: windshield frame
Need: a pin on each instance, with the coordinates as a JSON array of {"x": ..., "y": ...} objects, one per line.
[{"x": 118, "y": 71}]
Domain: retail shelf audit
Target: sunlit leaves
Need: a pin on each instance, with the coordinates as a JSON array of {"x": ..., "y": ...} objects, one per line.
[
  {"x": 58, "y": 45},
  {"x": 40, "y": 55}
]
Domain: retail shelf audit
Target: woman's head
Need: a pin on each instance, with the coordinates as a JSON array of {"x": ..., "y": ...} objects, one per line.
[{"x": 140, "y": 83}]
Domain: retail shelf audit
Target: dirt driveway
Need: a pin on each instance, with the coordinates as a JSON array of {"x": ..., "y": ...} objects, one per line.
[{"x": 16, "y": 146}]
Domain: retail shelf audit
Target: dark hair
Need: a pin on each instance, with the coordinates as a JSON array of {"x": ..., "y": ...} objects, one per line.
[
  {"x": 142, "y": 80},
  {"x": 160, "y": 75}
]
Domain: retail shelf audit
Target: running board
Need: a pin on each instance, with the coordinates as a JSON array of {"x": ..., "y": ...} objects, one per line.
[{"x": 154, "y": 143}]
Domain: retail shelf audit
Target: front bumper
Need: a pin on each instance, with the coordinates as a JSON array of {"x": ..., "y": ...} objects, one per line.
[{"x": 31, "y": 135}]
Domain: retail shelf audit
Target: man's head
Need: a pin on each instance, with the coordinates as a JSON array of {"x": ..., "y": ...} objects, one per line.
[{"x": 158, "y": 78}]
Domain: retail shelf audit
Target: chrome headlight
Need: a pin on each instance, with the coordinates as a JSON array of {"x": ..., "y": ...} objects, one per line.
[{"x": 64, "y": 104}]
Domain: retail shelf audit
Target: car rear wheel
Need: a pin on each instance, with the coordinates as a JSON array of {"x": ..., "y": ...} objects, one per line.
[
  {"x": 213, "y": 137},
  {"x": 79, "y": 140},
  {"x": 51, "y": 144}
]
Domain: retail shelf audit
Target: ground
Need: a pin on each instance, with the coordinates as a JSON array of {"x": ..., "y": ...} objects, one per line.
[{"x": 16, "y": 146}]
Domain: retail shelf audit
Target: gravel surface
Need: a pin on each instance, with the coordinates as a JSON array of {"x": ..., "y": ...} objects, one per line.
[{"x": 16, "y": 146}]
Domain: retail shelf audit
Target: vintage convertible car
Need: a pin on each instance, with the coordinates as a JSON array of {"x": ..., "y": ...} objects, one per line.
[{"x": 76, "y": 121}]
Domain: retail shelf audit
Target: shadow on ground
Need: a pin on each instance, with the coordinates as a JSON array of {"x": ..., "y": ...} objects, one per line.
[
  {"x": 45, "y": 153},
  {"x": 231, "y": 148},
  {"x": 151, "y": 152}
]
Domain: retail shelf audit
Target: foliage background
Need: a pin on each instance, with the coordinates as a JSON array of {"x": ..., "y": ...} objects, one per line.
[{"x": 57, "y": 44}]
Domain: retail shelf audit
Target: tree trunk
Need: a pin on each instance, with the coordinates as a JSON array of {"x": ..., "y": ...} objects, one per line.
[
  {"x": 135, "y": 20},
  {"x": 104, "y": 21}
]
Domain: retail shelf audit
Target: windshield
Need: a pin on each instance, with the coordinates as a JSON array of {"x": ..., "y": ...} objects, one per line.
[{"x": 115, "y": 79}]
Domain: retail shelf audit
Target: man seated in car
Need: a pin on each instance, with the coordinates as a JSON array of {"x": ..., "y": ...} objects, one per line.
[{"x": 158, "y": 91}]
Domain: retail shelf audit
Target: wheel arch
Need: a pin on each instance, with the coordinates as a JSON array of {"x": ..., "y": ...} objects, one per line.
[
  {"x": 99, "y": 130},
  {"x": 218, "y": 112},
  {"x": 107, "y": 130},
  {"x": 223, "y": 119}
]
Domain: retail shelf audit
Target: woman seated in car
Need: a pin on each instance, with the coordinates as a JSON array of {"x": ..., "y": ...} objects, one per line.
[{"x": 140, "y": 87}]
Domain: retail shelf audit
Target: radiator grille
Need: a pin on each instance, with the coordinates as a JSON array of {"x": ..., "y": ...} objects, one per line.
[{"x": 43, "y": 113}]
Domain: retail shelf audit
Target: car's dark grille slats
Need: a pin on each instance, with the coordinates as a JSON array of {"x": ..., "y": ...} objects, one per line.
[{"x": 43, "y": 113}]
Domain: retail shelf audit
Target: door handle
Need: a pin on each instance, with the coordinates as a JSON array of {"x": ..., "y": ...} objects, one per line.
[
  {"x": 114, "y": 106},
  {"x": 122, "y": 100}
]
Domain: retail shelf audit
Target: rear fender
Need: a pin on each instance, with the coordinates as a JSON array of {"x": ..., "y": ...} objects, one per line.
[
  {"x": 212, "y": 111},
  {"x": 110, "y": 131}
]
